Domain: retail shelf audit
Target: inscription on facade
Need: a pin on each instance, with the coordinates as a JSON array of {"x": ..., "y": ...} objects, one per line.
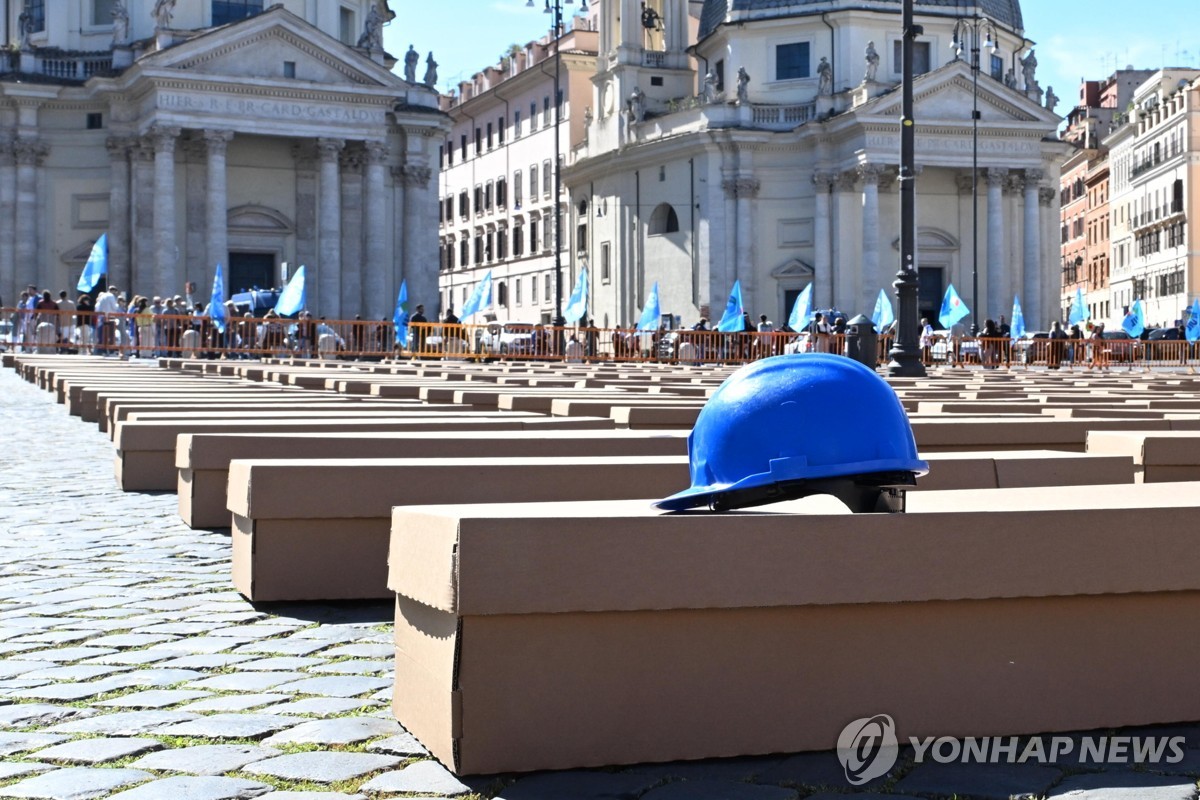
[
  {"x": 958, "y": 145},
  {"x": 274, "y": 109}
]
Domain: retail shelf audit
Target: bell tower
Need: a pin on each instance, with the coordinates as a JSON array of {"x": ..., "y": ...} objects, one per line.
[{"x": 643, "y": 44}]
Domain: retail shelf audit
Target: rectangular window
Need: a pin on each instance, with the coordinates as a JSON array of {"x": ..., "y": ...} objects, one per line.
[
  {"x": 463, "y": 140},
  {"x": 464, "y": 252},
  {"x": 605, "y": 263},
  {"x": 478, "y": 141},
  {"x": 102, "y": 12},
  {"x": 518, "y": 241},
  {"x": 95, "y": 121},
  {"x": 478, "y": 199},
  {"x": 791, "y": 61},
  {"x": 533, "y": 289},
  {"x": 449, "y": 153},
  {"x": 464, "y": 204},
  {"x": 226, "y": 11},
  {"x": 517, "y": 124},
  {"x": 501, "y": 193},
  {"x": 500, "y": 129},
  {"x": 547, "y": 239},
  {"x": 490, "y": 145},
  {"x": 487, "y": 196},
  {"x": 346, "y": 27},
  {"x": 517, "y": 289},
  {"x": 517, "y": 188},
  {"x": 546, "y": 292},
  {"x": 533, "y": 116},
  {"x": 997, "y": 67},
  {"x": 546, "y": 177},
  {"x": 502, "y": 244},
  {"x": 920, "y": 57},
  {"x": 37, "y": 15},
  {"x": 719, "y": 72},
  {"x": 581, "y": 238},
  {"x": 533, "y": 236},
  {"x": 533, "y": 181},
  {"x": 289, "y": 69}
]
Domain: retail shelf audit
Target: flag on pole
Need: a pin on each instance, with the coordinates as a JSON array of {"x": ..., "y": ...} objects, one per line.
[
  {"x": 1078, "y": 309},
  {"x": 481, "y": 297},
  {"x": 294, "y": 296},
  {"x": 1017, "y": 329},
  {"x": 802, "y": 311},
  {"x": 400, "y": 315},
  {"x": 1192, "y": 329},
  {"x": 651, "y": 315},
  {"x": 953, "y": 308},
  {"x": 96, "y": 266},
  {"x": 731, "y": 320},
  {"x": 216, "y": 306},
  {"x": 577, "y": 305},
  {"x": 883, "y": 316},
  {"x": 1135, "y": 321}
]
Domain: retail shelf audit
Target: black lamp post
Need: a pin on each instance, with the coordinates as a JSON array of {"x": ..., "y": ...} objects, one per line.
[
  {"x": 975, "y": 28},
  {"x": 906, "y": 352},
  {"x": 555, "y": 7}
]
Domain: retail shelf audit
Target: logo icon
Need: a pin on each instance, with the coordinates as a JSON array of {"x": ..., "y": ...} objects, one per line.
[{"x": 868, "y": 748}]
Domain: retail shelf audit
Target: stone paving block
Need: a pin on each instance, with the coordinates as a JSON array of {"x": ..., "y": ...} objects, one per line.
[
  {"x": 20, "y": 769},
  {"x": 279, "y": 663},
  {"x": 240, "y": 702},
  {"x": 284, "y": 647},
  {"x": 199, "y": 645},
  {"x": 578, "y": 786},
  {"x": 97, "y": 751},
  {"x": 77, "y": 672},
  {"x": 247, "y": 682},
  {"x": 346, "y": 730},
  {"x": 53, "y": 637},
  {"x": 339, "y": 686},
  {"x": 13, "y": 669},
  {"x": 322, "y": 767},
  {"x": 354, "y": 667},
  {"x": 133, "y": 657},
  {"x": 124, "y": 723},
  {"x": 324, "y": 796},
  {"x": 209, "y": 661},
  {"x": 70, "y": 692},
  {"x": 229, "y": 726},
  {"x": 182, "y": 787},
  {"x": 23, "y": 742},
  {"x": 154, "y": 698},
  {"x": 24, "y": 715},
  {"x": 1123, "y": 785},
  {"x": 428, "y": 777},
  {"x": 719, "y": 790},
  {"x": 209, "y": 759},
  {"x": 361, "y": 650},
  {"x": 75, "y": 783},
  {"x": 126, "y": 640},
  {"x": 402, "y": 744},
  {"x": 324, "y": 706},
  {"x": 983, "y": 781},
  {"x": 64, "y": 655},
  {"x": 251, "y": 632},
  {"x": 177, "y": 628}
]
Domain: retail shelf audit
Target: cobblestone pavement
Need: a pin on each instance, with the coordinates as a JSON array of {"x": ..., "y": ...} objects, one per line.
[{"x": 130, "y": 668}]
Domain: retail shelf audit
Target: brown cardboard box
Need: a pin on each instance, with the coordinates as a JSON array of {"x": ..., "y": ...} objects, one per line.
[
  {"x": 1164, "y": 456},
  {"x": 553, "y": 636}
]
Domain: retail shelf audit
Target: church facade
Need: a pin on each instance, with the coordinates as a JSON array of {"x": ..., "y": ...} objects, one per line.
[
  {"x": 766, "y": 151},
  {"x": 197, "y": 133}
]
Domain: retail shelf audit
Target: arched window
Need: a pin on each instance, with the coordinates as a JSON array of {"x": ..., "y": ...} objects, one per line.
[{"x": 664, "y": 220}]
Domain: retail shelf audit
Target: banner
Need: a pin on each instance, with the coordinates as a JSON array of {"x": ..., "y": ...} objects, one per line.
[
  {"x": 96, "y": 266},
  {"x": 577, "y": 305},
  {"x": 294, "y": 296},
  {"x": 400, "y": 315},
  {"x": 651, "y": 315},
  {"x": 731, "y": 320},
  {"x": 883, "y": 316},
  {"x": 216, "y": 306},
  {"x": 953, "y": 308},
  {"x": 480, "y": 299}
]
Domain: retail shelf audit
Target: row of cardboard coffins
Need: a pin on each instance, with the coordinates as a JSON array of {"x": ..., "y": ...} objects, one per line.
[{"x": 547, "y": 616}]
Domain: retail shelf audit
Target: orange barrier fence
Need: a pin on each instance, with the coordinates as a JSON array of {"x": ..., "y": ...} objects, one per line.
[{"x": 148, "y": 335}]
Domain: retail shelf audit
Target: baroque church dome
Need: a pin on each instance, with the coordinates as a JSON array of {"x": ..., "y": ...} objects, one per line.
[{"x": 1002, "y": 12}]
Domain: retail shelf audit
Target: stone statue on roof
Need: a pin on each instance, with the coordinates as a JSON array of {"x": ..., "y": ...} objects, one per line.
[
  {"x": 372, "y": 35},
  {"x": 120, "y": 18},
  {"x": 824, "y": 77},
  {"x": 431, "y": 75},
  {"x": 162, "y": 13},
  {"x": 410, "y": 64},
  {"x": 872, "y": 56},
  {"x": 743, "y": 86}
]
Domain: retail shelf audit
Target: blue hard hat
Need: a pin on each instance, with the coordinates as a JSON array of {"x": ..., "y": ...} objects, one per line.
[{"x": 796, "y": 420}]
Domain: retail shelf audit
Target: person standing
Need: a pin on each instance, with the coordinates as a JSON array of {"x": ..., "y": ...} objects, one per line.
[
  {"x": 1058, "y": 337},
  {"x": 106, "y": 306},
  {"x": 766, "y": 335},
  {"x": 416, "y": 336}
]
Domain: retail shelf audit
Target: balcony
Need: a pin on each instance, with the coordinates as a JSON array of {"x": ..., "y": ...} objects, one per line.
[
  {"x": 654, "y": 58},
  {"x": 58, "y": 65}
]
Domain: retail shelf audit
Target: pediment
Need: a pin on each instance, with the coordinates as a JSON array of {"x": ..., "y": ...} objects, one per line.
[
  {"x": 946, "y": 96},
  {"x": 258, "y": 219},
  {"x": 259, "y": 46},
  {"x": 79, "y": 254},
  {"x": 795, "y": 269}
]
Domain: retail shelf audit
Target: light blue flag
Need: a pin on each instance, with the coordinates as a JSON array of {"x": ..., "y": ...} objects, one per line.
[
  {"x": 1192, "y": 329},
  {"x": 1078, "y": 309},
  {"x": 1017, "y": 329},
  {"x": 400, "y": 316},
  {"x": 216, "y": 306},
  {"x": 953, "y": 308},
  {"x": 294, "y": 296},
  {"x": 96, "y": 266},
  {"x": 883, "y": 316},
  {"x": 731, "y": 320},
  {"x": 577, "y": 305},
  {"x": 481, "y": 297},
  {"x": 651, "y": 315},
  {"x": 1135, "y": 321},
  {"x": 802, "y": 310}
]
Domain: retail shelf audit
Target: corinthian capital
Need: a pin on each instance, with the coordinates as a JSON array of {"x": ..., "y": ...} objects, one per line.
[
  {"x": 377, "y": 152},
  {"x": 329, "y": 149},
  {"x": 996, "y": 176},
  {"x": 30, "y": 150},
  {"x": 217, "y": 141},
  {"x": 164, "y": 138}
]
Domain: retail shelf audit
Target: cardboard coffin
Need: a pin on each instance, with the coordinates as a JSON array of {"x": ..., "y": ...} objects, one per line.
[
  {"x": 565, "y": 635},
  {"x": 1161, "y": 456}
]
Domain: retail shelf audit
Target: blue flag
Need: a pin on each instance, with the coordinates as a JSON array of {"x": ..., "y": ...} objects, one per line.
[
  {"x": 953, "y": 308},
  {"x": 651, "y": 315},
  {"x": 1192, "y": 329},
  {"x": 883, "y": 316},
  {"x": 1017, "y": 329},
  {"x": 802, "y": 310},
  {"x": 481, "y": 297},
  {"x": 294, "y": 296},
  {"x": 96, "y": 266},
  {"x": 400, "y": 316},
  {"x": 577, "y": 305},
  {"x": 1135, "y": 321},
  {"x": 731, "y": 320},
  {"x": 1078, "y": 309},
  {"x": 216, "y": 306}
]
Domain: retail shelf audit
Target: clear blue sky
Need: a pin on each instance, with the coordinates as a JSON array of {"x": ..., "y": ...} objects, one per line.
[{"x": 1075, "y": 38}]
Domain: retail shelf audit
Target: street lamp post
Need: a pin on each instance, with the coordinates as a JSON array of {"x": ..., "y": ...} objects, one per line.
[
  {"x": 974, "y": 27},
  {"x": 555, "y": 8}
]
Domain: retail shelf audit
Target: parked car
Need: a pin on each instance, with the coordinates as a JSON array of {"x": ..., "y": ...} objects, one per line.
[
  {"x": 256, "y": 301},
  {"x": 507, "y": 338}
]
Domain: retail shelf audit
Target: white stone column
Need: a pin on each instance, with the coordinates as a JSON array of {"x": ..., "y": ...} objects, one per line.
[
  {"x": 9, "y": 289},
  {"x": 747, "y": 189},
  {"x": 216, "y": 213},
  {"x": 995, "y": 242},
  {"x": 119, "y": 211},
  {"x": 304, "y": 155},
  {"x": 166, "y": 251},
  {"x": 420, "y": 235},
  {"x": 1047, "y": 306},
  {"x": 141, "y": 268},
  {"x": 375, "y": 301},
  {"x": 329, "y": 245},
  {"x": 872, "y": 278},
  {"x": 822, "y": 253},
  {"x": 1031, "y": 266},
  {"x": 399, "y": 209},
  {"x": 195, "y": 203},
  {"x": 29, "y": 154},
  {"x": 352, "y": 231},
  {"x": 847, "y": 241},
  {"x": 725, "y": 281}
]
